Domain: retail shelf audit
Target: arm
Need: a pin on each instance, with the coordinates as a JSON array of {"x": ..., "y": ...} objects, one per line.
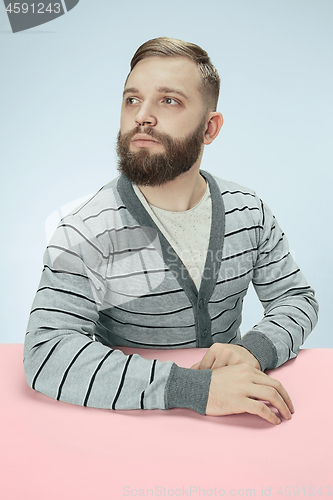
[
  {"x": 63, "y": 360},
  {"x": 290, "y": 315},
  {"x": 289, "y": 303},
  {"x": 291, "y": 310}
]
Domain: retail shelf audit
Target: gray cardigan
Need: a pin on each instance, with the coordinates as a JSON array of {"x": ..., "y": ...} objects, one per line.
[{"x": 110, "y": 278}]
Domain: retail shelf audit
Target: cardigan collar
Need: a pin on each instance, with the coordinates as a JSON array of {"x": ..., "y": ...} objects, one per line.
[{"x": 171, "y": 258}]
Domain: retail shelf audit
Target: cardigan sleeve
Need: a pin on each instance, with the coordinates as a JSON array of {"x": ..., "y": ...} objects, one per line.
[
  {"x": 290, "y": 307},
  {"x": 63, "y": 359}
]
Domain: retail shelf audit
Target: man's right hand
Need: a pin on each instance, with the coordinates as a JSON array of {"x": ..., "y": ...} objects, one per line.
[{"x": 242, "y": 388}]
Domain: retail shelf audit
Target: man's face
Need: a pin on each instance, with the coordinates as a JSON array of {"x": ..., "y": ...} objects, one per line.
[{"x": 162, "y": 120}]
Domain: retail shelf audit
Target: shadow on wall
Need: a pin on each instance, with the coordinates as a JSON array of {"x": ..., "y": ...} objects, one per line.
[{"x": 23, "y": 15}]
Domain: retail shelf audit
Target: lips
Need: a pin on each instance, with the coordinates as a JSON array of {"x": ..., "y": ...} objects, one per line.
[
  {"x": 144, "y": 140},
  {"x": 144, "y": 137}
]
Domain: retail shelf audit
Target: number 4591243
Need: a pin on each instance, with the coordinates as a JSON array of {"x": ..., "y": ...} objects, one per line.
[{"x": 24, "y": 8}]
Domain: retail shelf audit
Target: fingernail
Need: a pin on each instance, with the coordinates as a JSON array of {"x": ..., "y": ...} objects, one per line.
[{"x": 278, "y": 421}]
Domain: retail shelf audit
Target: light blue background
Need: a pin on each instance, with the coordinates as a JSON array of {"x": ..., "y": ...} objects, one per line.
[{"x": 61, "y": 86}]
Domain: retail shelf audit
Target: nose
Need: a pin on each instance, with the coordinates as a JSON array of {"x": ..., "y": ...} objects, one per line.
[{"x": 145, "y": 115}]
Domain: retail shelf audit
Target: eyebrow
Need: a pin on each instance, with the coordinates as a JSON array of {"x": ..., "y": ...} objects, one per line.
[
  {"x": 168, "y": 90},
  {"x": 160, "y": 90},
  {"x": 130, "y": 90}
]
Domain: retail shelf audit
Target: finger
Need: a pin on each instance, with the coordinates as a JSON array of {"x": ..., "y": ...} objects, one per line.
[
  {"x": 228, "y": 359},
  {"x": 195, "y": 366},
  {"x": 272, "y": 382},
  {"x": 262, "y": 410},
  {"x": 274, "y": 398},
  {"x": 220, "y": 362},
  {"x": 219, "y": 356},
  {"x": 208, "y": 360}
]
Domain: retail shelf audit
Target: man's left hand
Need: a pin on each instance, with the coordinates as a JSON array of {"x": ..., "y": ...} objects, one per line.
[{"x": 219, "y": 355}]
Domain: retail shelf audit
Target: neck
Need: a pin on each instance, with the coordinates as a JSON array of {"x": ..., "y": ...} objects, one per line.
[{"x": 179, "y": 195}]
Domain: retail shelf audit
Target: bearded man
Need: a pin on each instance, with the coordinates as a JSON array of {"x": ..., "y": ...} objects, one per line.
[{"x": 162, "y": 257}]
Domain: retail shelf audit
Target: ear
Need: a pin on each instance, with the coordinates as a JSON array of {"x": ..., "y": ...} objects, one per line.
[{"x": 214, "y": 124}]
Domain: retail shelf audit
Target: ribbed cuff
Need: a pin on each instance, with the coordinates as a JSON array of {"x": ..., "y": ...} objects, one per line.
[
  {"x": 261, "y": 347},
  {"x": 188, "y": 388}
]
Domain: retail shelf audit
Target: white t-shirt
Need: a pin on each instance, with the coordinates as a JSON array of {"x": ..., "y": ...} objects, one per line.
[{"x": 187, "y": 232}]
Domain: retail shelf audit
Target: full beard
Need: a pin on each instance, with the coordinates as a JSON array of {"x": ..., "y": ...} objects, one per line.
[{"x": 154, "y": 169}]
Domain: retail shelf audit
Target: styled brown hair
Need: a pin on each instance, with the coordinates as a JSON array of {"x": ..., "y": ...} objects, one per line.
[{"x": 171, "y": 47}]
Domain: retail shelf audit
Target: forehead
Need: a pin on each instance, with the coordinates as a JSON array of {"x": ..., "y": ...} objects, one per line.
[{"x": 172, "y": 72}]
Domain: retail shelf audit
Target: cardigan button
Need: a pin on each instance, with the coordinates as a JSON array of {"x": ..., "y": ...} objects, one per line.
[
  {"x": 204, "y": 333},
  {"x": 201, "y": 303}
]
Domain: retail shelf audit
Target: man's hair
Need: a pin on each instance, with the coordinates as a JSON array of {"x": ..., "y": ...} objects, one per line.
[{"x": 171, "y": 47}]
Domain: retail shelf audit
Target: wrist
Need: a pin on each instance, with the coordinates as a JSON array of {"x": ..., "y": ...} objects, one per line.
[
  {"x": 260, "y": 346},
  {"x": 254, "y": 360}
]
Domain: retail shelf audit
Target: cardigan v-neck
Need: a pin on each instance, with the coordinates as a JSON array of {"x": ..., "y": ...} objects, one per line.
[{"x": 198, "y": 298}]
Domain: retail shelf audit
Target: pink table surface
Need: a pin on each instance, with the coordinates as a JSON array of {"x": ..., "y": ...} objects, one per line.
[{"x": 54, "y": 450}]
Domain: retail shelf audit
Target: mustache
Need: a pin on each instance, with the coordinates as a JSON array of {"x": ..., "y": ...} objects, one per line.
[{"x": 164, "y": 139}]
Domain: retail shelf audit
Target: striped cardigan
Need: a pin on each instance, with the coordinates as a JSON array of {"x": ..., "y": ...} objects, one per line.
[{"x": 110, "y": 278}]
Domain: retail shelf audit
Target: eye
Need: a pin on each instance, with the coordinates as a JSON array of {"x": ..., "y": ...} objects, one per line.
[
  {"x": 132, "y": 100},
  {"x": 171, "y": 101}
]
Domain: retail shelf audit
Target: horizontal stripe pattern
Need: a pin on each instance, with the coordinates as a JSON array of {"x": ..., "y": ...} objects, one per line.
[{"x": 105, "y": 284}]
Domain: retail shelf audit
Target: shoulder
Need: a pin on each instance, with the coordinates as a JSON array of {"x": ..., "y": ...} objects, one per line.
[
  {"x": 99, "y": 215},
  {"x": 105, "y": 198},
  {"x": 232, "y": 189},
  {"x": 243, "y": 209},
  {"x": 104, "y": 209},
  {"x": 235, "y": 195}
]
